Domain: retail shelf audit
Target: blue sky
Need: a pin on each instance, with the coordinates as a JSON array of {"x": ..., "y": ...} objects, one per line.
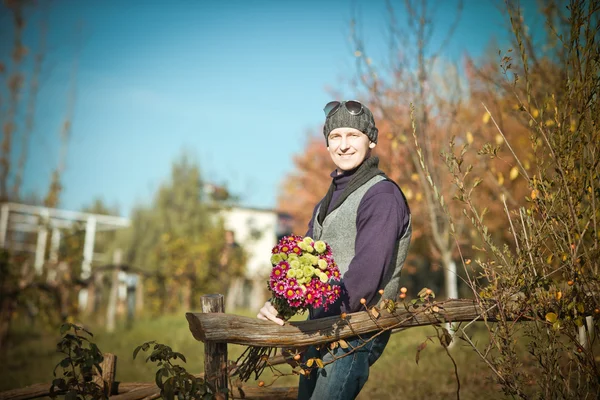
[{"x": 236, "y": 84}]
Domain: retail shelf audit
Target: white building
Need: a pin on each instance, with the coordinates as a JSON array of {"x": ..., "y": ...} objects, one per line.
[{"x": 256, "y": 231}]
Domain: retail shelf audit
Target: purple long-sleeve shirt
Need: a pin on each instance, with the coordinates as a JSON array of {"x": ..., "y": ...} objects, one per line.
[{"x": 382, "y": 219}]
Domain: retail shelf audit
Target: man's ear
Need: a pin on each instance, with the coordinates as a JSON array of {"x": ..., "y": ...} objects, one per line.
[{"x": 372, "y": 145}]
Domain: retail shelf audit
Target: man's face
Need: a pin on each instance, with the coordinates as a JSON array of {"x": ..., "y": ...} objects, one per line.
[{"x": 348, "y": 148}]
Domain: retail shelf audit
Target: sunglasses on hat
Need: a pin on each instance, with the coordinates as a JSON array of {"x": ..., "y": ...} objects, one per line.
[{"x": 353, "y": 107}]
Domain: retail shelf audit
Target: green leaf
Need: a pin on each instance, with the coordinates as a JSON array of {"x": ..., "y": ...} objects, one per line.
[
  {"x": 64, "y": 328},
  {"x": 136, "y": 351},
  {"x": 180, "y": 356}
]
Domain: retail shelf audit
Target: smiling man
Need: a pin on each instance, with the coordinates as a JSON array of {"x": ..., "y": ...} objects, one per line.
[{"x": 365, "y": 219}]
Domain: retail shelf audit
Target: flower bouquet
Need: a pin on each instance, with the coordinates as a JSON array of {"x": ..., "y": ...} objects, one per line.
[{"x": 304, "y": 275}]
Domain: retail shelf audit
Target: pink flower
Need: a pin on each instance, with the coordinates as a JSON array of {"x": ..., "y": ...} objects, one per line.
[
  {"x": 280, "y": 288},
  {"x": 295, "y": 303},
  {"x": 284, "y": 265},
  {"x": 318, "y": 301},
  {"x": 290, "y": 293},
  {"x": 277, "y": 273}
]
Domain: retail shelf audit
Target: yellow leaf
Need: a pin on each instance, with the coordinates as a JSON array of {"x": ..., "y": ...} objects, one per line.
[
  {"x": 470, "y": 137},
  {"x": 409, "y": 194},
  {"x": 499, "y": 139},
  {"x": 551, "y": 317},
  {"x": 319, "y": 362},
  {"x": 374, "y": 312},
  {"x": 419, "y": 196},
  {"x": 343, "y": 344},
  {"x": 535, "y": 112},
  {"x": 310, "y": 362},
  {"x": 549, "y": 259},
  {"x": 534, "y": 194},
  {"x": 514, "y": 173},
  {"x": 557, "y": 325},
  {"x": 486, "y": 118},
  {"x": 415, "y": 177},
  {"x": 558, "y": 295},
  {"x": 500, "y": 178},
  {"x": 394, "y": 144},
  {"x": 435, "y": 309}
]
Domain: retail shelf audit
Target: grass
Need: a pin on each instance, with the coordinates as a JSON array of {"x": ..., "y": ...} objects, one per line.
[{"x": 31, "y": 358}]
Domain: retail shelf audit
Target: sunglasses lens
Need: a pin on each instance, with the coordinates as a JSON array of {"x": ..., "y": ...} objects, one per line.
[
  {"x": 353, "y": 107},
  {"x": 331, "y": 107}
]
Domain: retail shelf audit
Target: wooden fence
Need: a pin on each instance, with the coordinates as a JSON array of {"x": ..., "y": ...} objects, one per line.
[{"x": 216, "y": 329}]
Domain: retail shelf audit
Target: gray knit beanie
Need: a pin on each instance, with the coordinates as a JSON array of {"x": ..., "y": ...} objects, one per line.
[{"x": 364, "y": 122}]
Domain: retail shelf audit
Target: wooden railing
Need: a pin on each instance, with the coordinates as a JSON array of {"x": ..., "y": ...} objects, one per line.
[{"x": 216, "y": 329}]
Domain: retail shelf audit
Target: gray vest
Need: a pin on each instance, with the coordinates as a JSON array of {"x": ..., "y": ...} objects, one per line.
[{"x": 339, "y": 231}]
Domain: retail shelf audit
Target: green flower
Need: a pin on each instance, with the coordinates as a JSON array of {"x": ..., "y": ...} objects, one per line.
[
  {"x": 305, "y": 259},
  {"x": 302, "y": 281},
  {"x": 292, "y": 257},
  {"x": 299, "y": 273},
  {"x": 284, "y": 256},
  {"x": 291, "y": 273},
  {"x": 276, "y": 259},
  {"x": 309, "y": 248},
  {"x": 295, "y": 264},
  {"x": 308, "y": 240},
  {"x": 302, "y": 246},
  {"x": 323, "y": 277},
  {"x": 320, "y": 246},
  {"x": 322, "y": 264},
  {"x": 308, "y": 271}
]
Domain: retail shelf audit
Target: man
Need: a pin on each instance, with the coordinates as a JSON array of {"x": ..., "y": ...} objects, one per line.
[{"x": 365, "y": 219}]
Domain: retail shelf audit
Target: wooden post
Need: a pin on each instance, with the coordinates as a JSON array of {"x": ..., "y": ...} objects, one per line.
[
  {"x": 111, "y": 310},
  {"x": 215, "y": 354},
  {"x": 109, "y": 371}
]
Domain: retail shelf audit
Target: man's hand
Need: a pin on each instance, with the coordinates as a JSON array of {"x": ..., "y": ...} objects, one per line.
[{"x": 269, "y": 313}]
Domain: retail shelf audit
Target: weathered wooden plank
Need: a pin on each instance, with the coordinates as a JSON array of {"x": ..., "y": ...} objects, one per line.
[
  {"x": 28, "y": 392},
  {"x": 247, "y": 331}
]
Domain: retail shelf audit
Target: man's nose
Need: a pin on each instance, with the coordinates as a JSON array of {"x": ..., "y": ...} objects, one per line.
[{"x": 344, "y": 143}]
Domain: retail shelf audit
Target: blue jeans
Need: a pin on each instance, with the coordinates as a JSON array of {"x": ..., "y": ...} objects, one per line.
[{"x": 344, "y": 378}]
